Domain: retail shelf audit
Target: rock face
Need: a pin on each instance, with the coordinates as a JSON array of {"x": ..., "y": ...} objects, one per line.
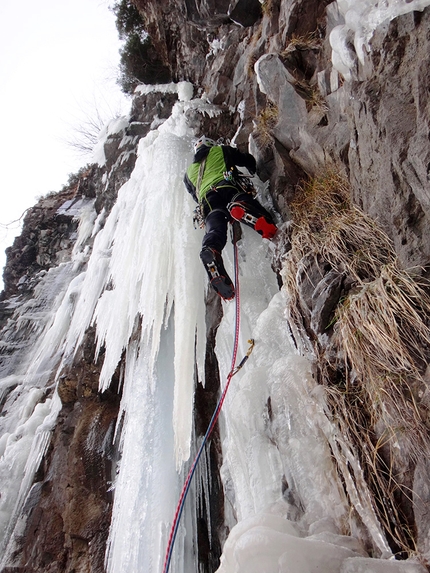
[
  {"x": 268, "y": 68},
  {"x": 66, "y": 524},
  {"x": 389, "y": 153},
  {"x": 46, "y": 241}
]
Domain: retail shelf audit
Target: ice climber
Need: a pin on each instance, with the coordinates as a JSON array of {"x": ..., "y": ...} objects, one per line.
[{"x": 212, "y": 180}]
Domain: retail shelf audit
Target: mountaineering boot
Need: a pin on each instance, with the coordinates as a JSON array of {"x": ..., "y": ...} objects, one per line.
[
  {"x": 218, "y": 277},
  {"x": 241, "y": 211}
]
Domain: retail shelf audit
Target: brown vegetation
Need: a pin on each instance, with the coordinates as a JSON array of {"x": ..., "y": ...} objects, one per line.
[{"x": 373, "y": 368}]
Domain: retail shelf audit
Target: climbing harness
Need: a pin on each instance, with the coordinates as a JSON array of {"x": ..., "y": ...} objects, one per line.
[
  {"x": 233, "y": 370},
  {"x": 241, "y": 181},
  {"x": 235, "y": 179}
]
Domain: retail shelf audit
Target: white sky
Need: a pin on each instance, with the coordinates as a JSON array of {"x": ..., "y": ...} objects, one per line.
[{"x": 58, "y": 62}]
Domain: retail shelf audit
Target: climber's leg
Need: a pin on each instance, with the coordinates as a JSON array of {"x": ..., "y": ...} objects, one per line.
[{"x": 247, "y": 210}]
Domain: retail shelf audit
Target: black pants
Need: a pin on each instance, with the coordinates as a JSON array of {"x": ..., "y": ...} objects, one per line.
[{"x": 217, "y": 215}]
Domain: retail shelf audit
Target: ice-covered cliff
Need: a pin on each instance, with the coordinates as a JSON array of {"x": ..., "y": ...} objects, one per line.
[{"x": 113, "y": 353}]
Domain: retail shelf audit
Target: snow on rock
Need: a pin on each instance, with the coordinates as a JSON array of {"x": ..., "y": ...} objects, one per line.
[
  {"x": 183, "y": 89},
  {"x": 360, "y": 22},
  {"x": 113, "y": 127},
  {"x": 366, "y": 565},
  {"x": 267, "y": 542}
]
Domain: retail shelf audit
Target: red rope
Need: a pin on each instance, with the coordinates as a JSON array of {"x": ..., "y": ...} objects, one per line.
[{"x": 233, "y": 370}]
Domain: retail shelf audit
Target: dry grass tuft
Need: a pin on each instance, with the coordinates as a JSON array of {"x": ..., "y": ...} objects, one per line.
[
  {"x": 381, "y": 332},
  {"x": 265, "y": 123},
  {"x": 363, "y": 460},
  {"x": 319, "y": 199},
  {"x": 317, "y": 101},
  {"x": 330, "y": 227},
  {"x": 313, "y": 97},
  {"x": 267, "y": 7},
  {"x": 383, "y": 327},
  {"x": 252, "y": 60},
  {"x": 309, "y": 41}
]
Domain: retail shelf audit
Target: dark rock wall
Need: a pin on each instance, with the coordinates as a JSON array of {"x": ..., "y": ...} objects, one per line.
[
  {"x": 45, "y": 241},
  {"x": 69, "y": 506},
  {"x": 205, "y": 401}
]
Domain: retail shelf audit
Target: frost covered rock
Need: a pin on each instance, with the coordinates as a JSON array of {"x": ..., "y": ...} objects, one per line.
[
  {"x": 277, "y": 83},
  {"x": 363, "y": 565},
  {"x": 270, "y": 543},
  {"x": 47, "y": 240}
]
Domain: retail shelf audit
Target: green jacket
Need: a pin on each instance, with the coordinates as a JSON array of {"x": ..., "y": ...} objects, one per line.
[{"x": 218, "y": 160}]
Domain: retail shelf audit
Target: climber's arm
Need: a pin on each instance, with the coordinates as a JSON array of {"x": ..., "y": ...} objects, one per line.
[
  {"x": 190, "y": 188},
  {"x": 233, "y": 156}
]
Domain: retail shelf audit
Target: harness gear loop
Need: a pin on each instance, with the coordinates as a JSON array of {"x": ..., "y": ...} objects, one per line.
[{"x": 241, "y": 181}]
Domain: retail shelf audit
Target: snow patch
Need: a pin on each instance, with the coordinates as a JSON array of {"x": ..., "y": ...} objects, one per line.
[
  {"x": 360, "y": 22},
  {"x": 183, "y": 89},
  {"x": 111, "y": 128},
  {"x": 268, "y": 542}
]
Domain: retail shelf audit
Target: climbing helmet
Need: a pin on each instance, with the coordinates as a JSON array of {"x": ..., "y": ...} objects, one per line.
[{"x": 203, "y": 140}]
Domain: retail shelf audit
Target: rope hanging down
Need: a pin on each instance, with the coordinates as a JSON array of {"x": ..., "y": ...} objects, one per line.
[{"x": 234, "y": 369}]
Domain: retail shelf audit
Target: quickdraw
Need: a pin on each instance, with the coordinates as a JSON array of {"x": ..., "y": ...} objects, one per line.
[
  {"x": 251, "y": 342},
  {"x": 198, "y": 217}
]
